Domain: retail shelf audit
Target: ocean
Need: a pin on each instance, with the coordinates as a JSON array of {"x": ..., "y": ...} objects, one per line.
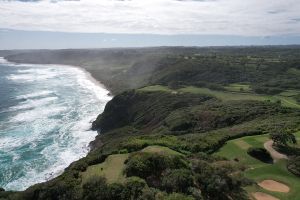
[{"x": 45, "y": 119}]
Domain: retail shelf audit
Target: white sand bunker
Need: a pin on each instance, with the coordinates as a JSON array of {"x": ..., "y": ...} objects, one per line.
[
  {"x": 263, "y": 196},
  {"x": 274, "y": 154},
  {"x": 274, "y": 186}
]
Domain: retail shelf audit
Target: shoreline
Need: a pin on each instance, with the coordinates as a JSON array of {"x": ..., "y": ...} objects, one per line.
[
  {"x": 91, "y": 78},
  {"x": 83, "y": 69},
  {"x": 88, "y": 76}
]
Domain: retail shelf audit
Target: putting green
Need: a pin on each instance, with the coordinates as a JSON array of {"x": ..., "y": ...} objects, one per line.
[{"x": 259, "y": 171}]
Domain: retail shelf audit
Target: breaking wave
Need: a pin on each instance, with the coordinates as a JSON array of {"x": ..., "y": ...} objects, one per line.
[{"x": 46, "y": 122}]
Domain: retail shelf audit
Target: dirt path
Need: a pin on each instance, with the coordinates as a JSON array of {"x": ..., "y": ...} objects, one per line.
[
  {"x": 274, "y": 154},
  {"x": 263, "y": 196},
  {"x": 274, "y": 186}
]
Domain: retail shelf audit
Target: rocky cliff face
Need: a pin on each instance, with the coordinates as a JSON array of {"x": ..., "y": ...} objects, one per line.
[
  {"x": 144, "y": 110},
  {"x": 167, "y": 112}
]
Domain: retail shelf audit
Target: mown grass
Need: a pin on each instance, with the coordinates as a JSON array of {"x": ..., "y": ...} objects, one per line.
[
  {"x": 258, "y": 170},
  {"x": 277, "y": 172},
  {"x": 238, "y": 87},
  {"x": 233, "y": 93},
  {"x": 225, "y": 96},
  {"x": 111, "y": 169},
  {"x": 235, "y": 149},
  {"x": 155, "y": 88},
  {"x": 160, "y": 150},
  {"x": 289, "y": 93}
]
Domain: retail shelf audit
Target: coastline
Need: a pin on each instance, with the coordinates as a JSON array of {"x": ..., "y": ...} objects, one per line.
[{"x": 88, "y": 76}]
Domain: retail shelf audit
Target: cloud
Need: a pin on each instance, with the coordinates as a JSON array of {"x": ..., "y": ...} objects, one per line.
[{"x": 218, "y": 17}]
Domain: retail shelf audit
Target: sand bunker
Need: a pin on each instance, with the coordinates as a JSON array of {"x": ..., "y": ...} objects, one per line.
[
  {"x": 274, "y": 186},
  {"x": 274, "y": 154},
  {"x": 263, "y": 196}
]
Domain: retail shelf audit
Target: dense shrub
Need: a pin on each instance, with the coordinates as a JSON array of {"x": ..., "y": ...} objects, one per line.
[
  {"x": 283, "y": 138},
  {"x": 177, "y": 180},
  {"x": 134, "y": 187},
  {"x": 116, "y": 191},
  {"x": 177, "y": 196},
  {"x": 218, "y": 183},
  {"x": 95, "y": 189},
  {"x": 294, "y": 165},
  {"x": 260, "y": 154},
  {"x": 192, "y": 123},
  {"x": 267, "y": 90},
  {"x": 143, "y": 164},
  {"x": 297, "y": 97},
  {"x": 149, "y": 194}
]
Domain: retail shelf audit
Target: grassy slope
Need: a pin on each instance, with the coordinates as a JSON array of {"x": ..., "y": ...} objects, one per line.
[
  {"x": 112, "y": 168},
  {"x": 160, "y": 150},
  {"x": 227, "y": 95},
  {"x": 258, "y": 170},
  {"x": 125, "y": 69},
  {"x": 238, "y": 87},
  {"x": 122, "y": 69}
]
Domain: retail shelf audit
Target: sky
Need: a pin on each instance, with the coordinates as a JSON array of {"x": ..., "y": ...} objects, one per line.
[{"x": 112, "y": 23}]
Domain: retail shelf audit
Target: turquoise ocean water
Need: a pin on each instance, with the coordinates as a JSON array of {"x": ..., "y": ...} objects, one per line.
[{"x": 45, "y": 119}]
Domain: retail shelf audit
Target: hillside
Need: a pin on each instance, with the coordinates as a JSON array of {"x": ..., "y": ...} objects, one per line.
[
  {"x": 266, "y": 69},
  {"x": 182, "y": 123}
]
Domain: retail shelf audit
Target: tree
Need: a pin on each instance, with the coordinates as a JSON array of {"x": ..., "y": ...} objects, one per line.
[
  {"x": 134, "y": 187},
  {"x": 95, "y": 189},
  {"x": 282, "y": 138},
  {"x": 116, "y": 191},
  {"x": 178, "y": 180}
]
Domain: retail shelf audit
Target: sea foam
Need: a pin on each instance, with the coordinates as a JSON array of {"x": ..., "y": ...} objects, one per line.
[{"x": 49, "y": 127}]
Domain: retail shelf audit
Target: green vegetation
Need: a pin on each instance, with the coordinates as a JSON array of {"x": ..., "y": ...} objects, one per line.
[
  {"x": 269, "y": 69},
  {"x": 185, "y": 123},
  {"x": 232, "y": 94},
  {"x": 294, "y": 165},
  {"x": 233, "y": 149},
  {"x": 258, "y": 170},
  {"x": 277, "y": 172},
  {"x": 282, "y": 138},
  {"x": 111, "y": 169},
  {"x": 155, "y": 88},
  {"x": 224, "y": 96},
  {"x": 237, "y": 87},
  {"x": 160, "y": 150}
]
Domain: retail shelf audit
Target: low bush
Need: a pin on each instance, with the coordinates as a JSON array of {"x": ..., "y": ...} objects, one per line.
[
  {"x": 294, "y": 165},
  {"x": 177, "y": 196},
  {"x": 177, "y": 180},
  {"x": 267, "y": 90},
  {"x": 143, "y": 164},
  {"x": 218, "y": 182}
]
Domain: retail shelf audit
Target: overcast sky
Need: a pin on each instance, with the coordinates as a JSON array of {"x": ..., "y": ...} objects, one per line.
[{"x": 249, "y": 18}]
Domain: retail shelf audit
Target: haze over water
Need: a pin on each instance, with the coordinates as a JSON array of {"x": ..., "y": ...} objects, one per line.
[{"x": 45, "y": 119}]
